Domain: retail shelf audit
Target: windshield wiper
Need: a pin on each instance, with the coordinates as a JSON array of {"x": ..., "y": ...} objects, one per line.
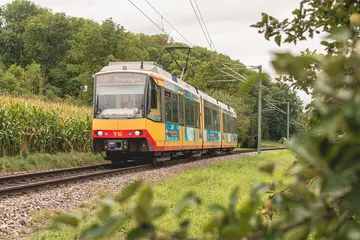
[{"x": 137, "y": 112}]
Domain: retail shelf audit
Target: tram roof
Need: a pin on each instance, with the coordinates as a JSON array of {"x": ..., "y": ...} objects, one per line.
[{"x": 154, "y": 67}]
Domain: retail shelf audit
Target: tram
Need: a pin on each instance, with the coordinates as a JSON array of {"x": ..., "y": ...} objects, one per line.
[{"x": 144, "y": 113}]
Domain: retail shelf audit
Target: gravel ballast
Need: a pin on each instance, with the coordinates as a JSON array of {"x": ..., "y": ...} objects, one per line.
[{"x": 16, "y": 211}]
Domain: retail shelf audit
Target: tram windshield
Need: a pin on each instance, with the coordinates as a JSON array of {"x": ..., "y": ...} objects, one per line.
[{"x": 120, "y": 95}]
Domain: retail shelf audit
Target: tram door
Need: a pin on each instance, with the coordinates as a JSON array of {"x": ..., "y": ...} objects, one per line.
[{"x": 172, "y": 126}]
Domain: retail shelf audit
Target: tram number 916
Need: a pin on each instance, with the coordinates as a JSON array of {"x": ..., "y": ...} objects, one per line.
[{"x": 118, "y": 134}]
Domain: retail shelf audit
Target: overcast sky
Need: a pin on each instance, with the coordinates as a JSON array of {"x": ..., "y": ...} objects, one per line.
[{"x": 228, "y": 23}]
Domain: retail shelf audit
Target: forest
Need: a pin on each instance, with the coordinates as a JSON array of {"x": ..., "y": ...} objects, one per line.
[{"x": 52, "y": 56}]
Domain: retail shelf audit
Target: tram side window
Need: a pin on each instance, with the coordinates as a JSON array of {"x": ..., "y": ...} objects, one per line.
[
  {"x": 229, "y": 124},
  {"x": 175, "y": 109},
  {"x": 224, "y": 122},
  {"x": 197, "y": 115},
  {"x": 154, "y": 106},
  {"x": 212, "y": 119},
  {"x": 232, "y": 124},
  {"x": 189, "y": 112},
  {"x": 192, "y": 113},
  {"x": 167, "y": 106},
  {"x": 235, "y": 126},
  {"x": 228, "y": 127},
  {"x": 216, "y": 120},
  {"x": 181, "y": 108},
  {"x": 207, "y": 113}
]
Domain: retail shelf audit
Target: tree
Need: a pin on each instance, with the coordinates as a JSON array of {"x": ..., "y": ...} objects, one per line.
[
  {"x": 14, "y": 17},
  {"x": 46, "y": 39},
  {"x": 312, "y": 17},
  {"x": 34, "y": 78},
  {"x": 16, "y": 74},
  {"x": 91, "y": 49},
  {"x": 322, "y": 201}
]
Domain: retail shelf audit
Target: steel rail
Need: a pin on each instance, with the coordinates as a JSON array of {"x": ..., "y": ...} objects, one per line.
[
  {"x": 107, "y": 172},
  {"x": 57, "y": 181},
  {"x": 55, "y": 171}
]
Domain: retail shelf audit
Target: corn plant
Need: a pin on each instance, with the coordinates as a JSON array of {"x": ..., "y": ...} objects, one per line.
[{"x": 32, "y": 126}]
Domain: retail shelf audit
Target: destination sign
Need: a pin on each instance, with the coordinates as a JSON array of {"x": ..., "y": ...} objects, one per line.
[{"x": 120, "y": 78}]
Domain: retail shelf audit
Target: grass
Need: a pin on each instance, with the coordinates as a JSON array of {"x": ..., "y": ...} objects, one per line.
[
  {"x": 265, "y": 144},
  {"x": 43, "y": 162},
  {"x": 243, "y": 149},
  {"x": 271, "y": 144},
  {"x": 213, "y": 184}
]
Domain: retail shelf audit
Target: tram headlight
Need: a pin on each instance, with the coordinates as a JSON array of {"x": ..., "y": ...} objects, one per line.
[
  {"x": 99, "y": 133},
  {"x": 138, "y": 133}
]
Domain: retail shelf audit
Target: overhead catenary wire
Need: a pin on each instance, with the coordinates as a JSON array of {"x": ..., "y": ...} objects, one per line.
[
  {"x": 202, "y": 28},
  {"x": 275, "y": 107},
  {"x": 206, "y": 29},
  {"x": 151, "y": 20},
  {"x": 162, "y": 17}
]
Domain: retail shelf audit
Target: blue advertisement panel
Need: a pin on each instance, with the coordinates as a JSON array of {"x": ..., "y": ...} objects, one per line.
[
  {"x": 211, "y": 136},
  {"x": 190, "y": 134},
  {"x": 172, "y": 132}
]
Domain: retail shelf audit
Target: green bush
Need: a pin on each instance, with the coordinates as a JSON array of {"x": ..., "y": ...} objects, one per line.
[{"x": 322, "y": 201}]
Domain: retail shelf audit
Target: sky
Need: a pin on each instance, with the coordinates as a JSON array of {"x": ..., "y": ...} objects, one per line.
[{"x": 228, "y": 22}]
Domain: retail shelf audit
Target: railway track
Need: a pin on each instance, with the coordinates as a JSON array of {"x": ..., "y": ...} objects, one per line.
[{"x": 15, "y": 184}]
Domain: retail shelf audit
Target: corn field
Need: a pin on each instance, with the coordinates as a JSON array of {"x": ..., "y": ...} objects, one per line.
[{"x": 35, "y": 126}]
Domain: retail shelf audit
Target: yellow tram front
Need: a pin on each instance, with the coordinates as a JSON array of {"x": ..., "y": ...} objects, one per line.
[{"x": 125, "y": 103}]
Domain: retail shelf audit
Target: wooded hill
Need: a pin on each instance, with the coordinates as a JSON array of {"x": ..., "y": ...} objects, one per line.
[{"x": 53, "y": 56}]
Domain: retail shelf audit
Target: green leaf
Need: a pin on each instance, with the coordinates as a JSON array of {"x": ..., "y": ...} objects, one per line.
[
  {"x": 268, "y": 168},
  {"x": 184, "y": 230},
  {"x": 251, "y": 81},
  {"x": 234, "y": 198},
  {"x": 325, "y": 43},
  {"x": 142, "y": 209},
  {"x": 140, "y": 232},
  {"x": 267, "y": 34},
  {"x": 265, "y": 17},
  {"x": 219, "y": 214},
  {"x": 105, "y": 210},
  {"x": 128, "y": 191},
  {"x": 257, "y": 25},
  {"x": 142, "y": 214},
  {"x": 113, "y": 225},
  {"x": 300, "y": 232},
  {"x": 258, "y": 189},
  {"x": 67, "y": 219},
  {"x": 231, "y": 231},
  {"x": 341, "y": 34},
  {"x": 92, "y": 232},
  {"x": 190, "y": 199},
  {"x": 353, "y": 234},
  {"x": 216, "y": 208},
  {"x": 300, "y": 213},
  {"x": 301, "y": 190},
  {"x": 278, "y": 40},
  {"x": 158, "y": 211},
  {"x": 145, "y": 197}
]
